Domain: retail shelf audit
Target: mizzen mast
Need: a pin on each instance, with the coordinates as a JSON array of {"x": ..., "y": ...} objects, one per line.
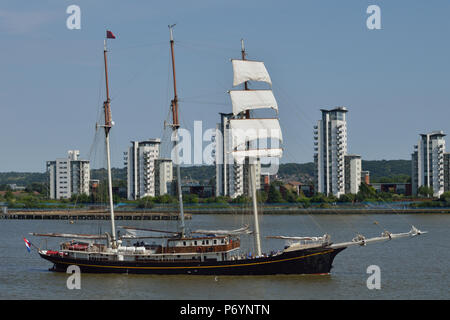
[{"x": 175, "y": 126}]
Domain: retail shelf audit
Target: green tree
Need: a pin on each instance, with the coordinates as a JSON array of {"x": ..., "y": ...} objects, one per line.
[
  {"x": 190, "y": 198},
  {"x": 80, "y": 198},
  {"x": 319, "y": 198},
  {"x": 425, "y": 191},
  {"x": 290, "y": 196},
  {"x": 347, "y": 198},
  {"x": 262, "y": 196},
  {"x": 366, "y": 192},
  {"x": 445, "y": 197},
  {"x": 165, "y": 198},
  {"x": 304, "y": 201},
  {"x": 274, "y": 195},
  {"x": 39, "y": 187},
  {"x": 146, "y": 202},
  {"x": 9, "y": 195},
  {"x": 241, "y": 199}
]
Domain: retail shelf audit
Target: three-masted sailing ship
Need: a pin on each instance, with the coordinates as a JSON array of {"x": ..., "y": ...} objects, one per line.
[{"x": 206, "y": 252}]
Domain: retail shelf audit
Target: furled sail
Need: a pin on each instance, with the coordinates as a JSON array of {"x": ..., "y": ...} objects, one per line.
[
  {"x": 70, "y": 235},
  {"x": 146, "y": 229},
  {"x": 324, "y": 238},
  {"x": 245, "y": 70},
  {"x": 225, "y": 232},
  {"x": 243, "y": 100}
]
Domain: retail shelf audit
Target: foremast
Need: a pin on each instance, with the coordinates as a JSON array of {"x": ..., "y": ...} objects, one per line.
[
  {"x": 107, "y": 126},
  {"x": 175, "y": 126},
  {"x": 252, "y": 177},
  {"x": 245, "y": 127}
]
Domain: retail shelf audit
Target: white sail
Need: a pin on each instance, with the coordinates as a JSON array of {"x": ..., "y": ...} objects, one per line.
[
  {"x": 244, "y": 130},
  {"x": 245, "y": 70},
  {"x": 252, "y": 99}
]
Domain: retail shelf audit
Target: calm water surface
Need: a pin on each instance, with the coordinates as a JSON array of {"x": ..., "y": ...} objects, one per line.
[{"x": 413, "y": 268}]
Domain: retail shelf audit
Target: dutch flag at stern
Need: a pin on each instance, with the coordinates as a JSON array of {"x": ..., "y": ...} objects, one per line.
[{"x": 27, "y": 244}]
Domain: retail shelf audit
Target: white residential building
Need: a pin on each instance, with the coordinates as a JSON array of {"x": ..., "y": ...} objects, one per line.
[
  {"x": 68, "y": 176},
  {"x": 330, "y": 146},
  {"x": 428, "y": 163},
  {"x": 140, "y": 162},
  {"x": 231, "y": 177},
  {"x": 163, "y": 176},
  {"x": 352, "y": 173}
]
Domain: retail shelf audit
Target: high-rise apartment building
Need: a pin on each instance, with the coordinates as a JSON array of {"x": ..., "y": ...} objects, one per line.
[
  {"x": 140, "y": 162},
  {"x": 330, "y": 146},
  {"x": 68, "y": 176},
  {"x": 428, "y": 163}
]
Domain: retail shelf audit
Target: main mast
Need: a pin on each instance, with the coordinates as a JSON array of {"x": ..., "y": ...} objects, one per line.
[
  {"x": 175, "y": 126},
  {"x": 252, "y": 176},
  {"x": 108, "y": 125}
]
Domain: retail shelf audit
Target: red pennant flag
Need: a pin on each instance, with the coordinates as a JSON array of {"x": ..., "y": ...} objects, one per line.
[{"x": 110, "y": 35}]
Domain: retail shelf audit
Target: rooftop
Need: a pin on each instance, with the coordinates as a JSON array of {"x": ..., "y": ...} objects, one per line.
[{"x": 341, "y": 109}]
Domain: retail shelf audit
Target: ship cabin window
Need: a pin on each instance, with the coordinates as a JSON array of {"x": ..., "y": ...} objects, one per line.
[
  {"x": 195, "y": 243},
  {"x": 203, "y": 241},
  {"x": 207, "y": 241},
  {"x": 215, "y": 241},
  {"x": 184, "y": 243},
  {"x": 222, "y": 241}
]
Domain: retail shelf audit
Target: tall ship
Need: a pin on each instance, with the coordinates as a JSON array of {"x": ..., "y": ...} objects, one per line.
[{"x": 205, "y": 252}]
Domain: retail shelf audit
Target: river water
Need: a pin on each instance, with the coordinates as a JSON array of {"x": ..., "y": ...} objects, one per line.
[{"x": 411, "y": 268}]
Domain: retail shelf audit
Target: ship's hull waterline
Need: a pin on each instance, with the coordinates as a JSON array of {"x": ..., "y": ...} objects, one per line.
[{"x": 306, "y": 261}]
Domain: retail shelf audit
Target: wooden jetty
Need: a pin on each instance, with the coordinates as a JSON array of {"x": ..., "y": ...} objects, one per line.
[{"x": 89, "y": 215}]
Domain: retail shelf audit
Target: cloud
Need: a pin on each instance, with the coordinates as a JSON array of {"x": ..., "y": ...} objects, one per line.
[{"x": 15, "y": 22}]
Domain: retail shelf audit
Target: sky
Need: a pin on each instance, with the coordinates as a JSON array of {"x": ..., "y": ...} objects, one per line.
[{"x": 319, "y": 53}]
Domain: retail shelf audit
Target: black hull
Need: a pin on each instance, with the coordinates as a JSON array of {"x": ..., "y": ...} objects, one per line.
[{"x": 307, "y": 261}]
